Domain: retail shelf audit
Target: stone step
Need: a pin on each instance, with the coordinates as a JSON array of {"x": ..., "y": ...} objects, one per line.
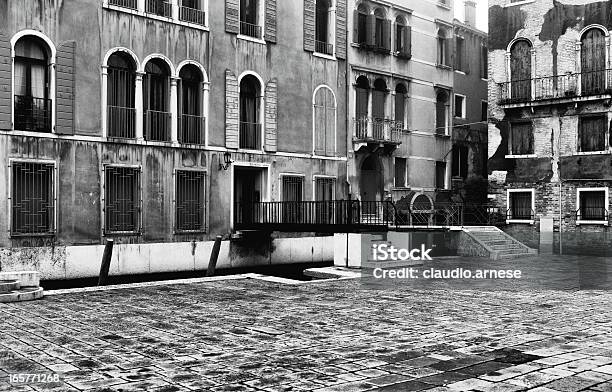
[
  {"x": 25, "y": 278},
  {"x": 24, "y": 294},
  {"x": 513, "y": 252},
  {"x": 9, "y": 285},
  {"x": 508, "y": 247}
]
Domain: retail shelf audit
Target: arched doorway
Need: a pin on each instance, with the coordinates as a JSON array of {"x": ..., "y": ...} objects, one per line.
[{"x": 370, "y": 183}]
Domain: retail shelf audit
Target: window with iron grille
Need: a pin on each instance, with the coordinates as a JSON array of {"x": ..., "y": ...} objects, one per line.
[
  {"x": 292, "y": 196},
  {"x": 122, "y": 200},
  {"x": 592, "y": 205},
  {"x": 324, "y": 195},
  {"x": 32, "y": 198},
  {"x": 190, "y": 202},
  {"x": 592, "y": 132},
  {"x": 521, "y": 138},
  {"x": 521, "y": 206}
]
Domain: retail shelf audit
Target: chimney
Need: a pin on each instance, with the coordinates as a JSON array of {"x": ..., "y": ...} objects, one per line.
[{"x": 470, "y": 12}]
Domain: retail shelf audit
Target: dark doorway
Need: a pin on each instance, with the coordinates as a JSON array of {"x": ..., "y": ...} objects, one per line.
[
  {"x": 370, "y": 183},
  {"x": 249, "y": 189}
]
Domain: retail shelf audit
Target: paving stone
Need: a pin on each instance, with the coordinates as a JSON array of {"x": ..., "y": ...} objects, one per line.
[{"x": 571, "y": 384}]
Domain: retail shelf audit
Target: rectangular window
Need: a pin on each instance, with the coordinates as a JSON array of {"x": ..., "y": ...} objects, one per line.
[
  {"x": 459, "y": 50},
  {"x": 440, "y": 175},
  {"x": 484, "y": 62},
  {"x": 484, "y": 111},
  {"x": 292, "y": 188},
  {"x": 324, "y": 195},
  {"x": 592, "y": 205},
  {"x": 362, "y": 22},
  {"x": 191, "y": 11},
  {"x": 521, "y": 138},
  {"x": 520, "y": 207},
  {"x": 460, "y": 161},
  {"x": 122, "y": 200},
  {"x": 400, "y": 172},
  {"x": 32, "y": 198},
  {"x": 159, "y": 7},
  {"x": 592, "y": 133},
  {"x": 190, "y": 202},
  {"x": 459, "y": 106}
]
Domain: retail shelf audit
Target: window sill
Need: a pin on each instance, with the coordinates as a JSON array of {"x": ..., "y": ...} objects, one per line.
[
  {"x": 446, "y": 6},
  {"x": 443, "y": 135},
  {"x": 32, "y": 235},
  {"x": 187, "y": 232},
  {"x": 122, "y": 233},
  {"x": 520, "y": 3},
  {"x": 460, "y": 72},
  {"x": 443, "y": 66},
  {"x": 260, "y": 41},
  {"x": 511, "y": 156},
  {"x": 155, "y": 17},
  {"x": 324, "y": 56},
  {"x": 589, "y": 222},
  {"x": 520, "y": 221},
  {"x": 603, "y": 152}
]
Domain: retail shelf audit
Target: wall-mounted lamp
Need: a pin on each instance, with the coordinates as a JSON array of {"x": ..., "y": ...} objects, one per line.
[{"x": 227, "y": 161}]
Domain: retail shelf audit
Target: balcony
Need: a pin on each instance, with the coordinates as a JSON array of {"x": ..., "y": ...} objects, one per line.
[
  {"x": 376, "y": 132},
  {"x": 32, "y": 114},
  {"x": 157, "y": 125},
  {"x": 121, "y": 122},
  {"x": 192, "y": 15},
  {"x": 250, "y": 30},
  {"x": 567, "y": 87},
  {"x": 132, "y": 4},
  {"x": 191, "y": 129},
  {"x": 159, "y": 7},
  {"x": 324, "y": 48},
  {"x": 250, "y": 136}
]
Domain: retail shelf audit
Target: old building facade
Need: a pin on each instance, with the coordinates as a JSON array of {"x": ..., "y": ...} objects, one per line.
[{"x": 549, "y": 138}]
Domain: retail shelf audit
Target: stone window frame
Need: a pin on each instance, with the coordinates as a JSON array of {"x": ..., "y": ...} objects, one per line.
[
  {"x": 606, "y": 191},
  {"x": 509, "y": 61},
  {"x": 520, "y": 190},
  {"x": 463, "y": 106},
  {"x": 331, "y": 30},
  {"x": 578, "y": 46},
  {"x": 205, "y": 209},
  {"x": 608, "y": 148},
  {"x": 111, "y": 233}
]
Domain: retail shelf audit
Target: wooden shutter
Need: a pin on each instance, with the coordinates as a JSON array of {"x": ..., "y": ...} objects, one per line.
[
  {"x": 387, "y": 35},
  {"x": 5, "y": 83},
  {"x": 520, "y": 70},
  {"x": 371, "y": 30},
  {"x": 271, "y": 109},
  {"x": 232, "y": 16},
  {"x": 407, "y": 41},
  {"x": 309, "y": 25},
  {"x": 65, "y": 67},
  {"x": 356, "y": 27},
  {"x": 447, "y": 52},
  {"x": 232, "y": 110},
  {"x": 270, "y": 34},
  {"x": 341, "y": 29}
]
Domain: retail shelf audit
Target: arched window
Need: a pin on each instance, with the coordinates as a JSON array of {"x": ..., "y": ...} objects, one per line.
[
  {"x": 191, "y": 119},
  {"x": 33, "y": 105},
  {"x": 361, "y": 25},
  {"x": 379, "y": 98},
  {"x": 444, "y": 57},
  {"x": 400, "y": 106},
  {"x": 593, "y": 61},
  {"x": 250, "y": 126},
  {"x": 403, "y": 36},
  {"x": 442, "y": 113},
  {"x": 156, "y": 85},
  {"x": 362, "y": 91},
  {"x": 324, "y": 122},
  {"x": 250, "y": 24},
  {"x": 520, "y": 69},
  {"x": 323, "y": 39},
  {"x": 381, "y": 30},
  {"x": 120, "y": 103}
]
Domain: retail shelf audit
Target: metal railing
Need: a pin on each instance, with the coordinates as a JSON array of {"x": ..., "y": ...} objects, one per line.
[
  {"x": 192, "y": 15},
  {"x": 377, "y": 130},
  {"x": 32, "y": 114},
  {"x": 157, "y": 125},
  {"x": 568, "y": 85},
  {"x": 520, "y": 214},
  {"x": 133, "y": 4},
  {"x": 450, "y": 214},
  {"x": 324, "y": 48},
  {"x": 159, "y": 7},
  {"x": 250, "y": 136},
  {"x": 592, "y": 214},
  {"x": 250, "y": 29},
  {"x": 121, "y": 122},
  {"x": 191, "y": 129}
]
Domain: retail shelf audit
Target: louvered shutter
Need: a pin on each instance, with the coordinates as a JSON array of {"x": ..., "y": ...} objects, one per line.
[
  {"x": 407, "y": 41},
  {"x": 341, "y": 29},
  {"x": 309, "y": 25},
  {"x": 232, "y": 110},
  {"x": 232, "y": 16},
  {"x": 387, "y": 35},
  {"x": 271, "y": 21},
  {"x": 5, "y": 83},
  {"x": 271, "y": 109},
  {"x": 356, "y": 27},
  {"x": 65, "y": 68},
  {"x": 371, "y": 31},
  {"x": 447, "y": 52}
]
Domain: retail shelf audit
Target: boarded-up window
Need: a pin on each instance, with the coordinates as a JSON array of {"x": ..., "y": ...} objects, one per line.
[
  {"x": 190, "y": 200},
  {"x": 592, "y": 133},
  {"x": 520, "y": 206},
  {"x": 325, "y": 122},
  {"x": 121, "y": 199},
  {"x": 593, "y": 62},
  {"x": 592, "y": 205},
  {"x": 440, "y": 175},
  {"x": 400, "y": 172},
  {"x": 32, "y": 198},
  {"x": 460, "y": 161},
  {"x": 520, "y": 69},
  {"x": 521, "y": 138}
]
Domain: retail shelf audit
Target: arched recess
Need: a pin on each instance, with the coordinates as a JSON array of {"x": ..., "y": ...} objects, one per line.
[
  {"x": 520, "y": 68},
  {"x": 159, "y": 95},
  {"x": 324, "y": 114},
  {"x": 251, "y": 106},
  {"x": 593, "y": 59},
  {"x": 370, "y": 183}
]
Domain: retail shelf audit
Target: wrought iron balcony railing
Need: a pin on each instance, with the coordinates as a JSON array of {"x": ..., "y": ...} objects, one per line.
[
  {"x": 159, "y": 7},
  {"x": 121, "y": 122},
  {"x": 367, "y": 129},
  {"x": 192, "y": 15},
  {"x": 133, "y": 4},
  {"x": 157, "y": 125},
  {"x": 324, "y": 48},
  {"x": 250, "y": 136},
  {"x": 597, "y": 214},
  {"x": 250, "y": 30},
  {"x": 520, "y": 214},
  {"x": 191, "y": 129},
  {"x": 32, "y": 114},
  {"x": 569, "y": 85}
]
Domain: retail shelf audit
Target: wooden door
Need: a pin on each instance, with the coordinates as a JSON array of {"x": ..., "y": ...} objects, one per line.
[
  {"x": 520, "y": 70},
  {"x": 593, "y": 62}
]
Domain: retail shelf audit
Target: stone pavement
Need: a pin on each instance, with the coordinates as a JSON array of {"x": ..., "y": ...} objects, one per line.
[{"x": 254, "y": 335}]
